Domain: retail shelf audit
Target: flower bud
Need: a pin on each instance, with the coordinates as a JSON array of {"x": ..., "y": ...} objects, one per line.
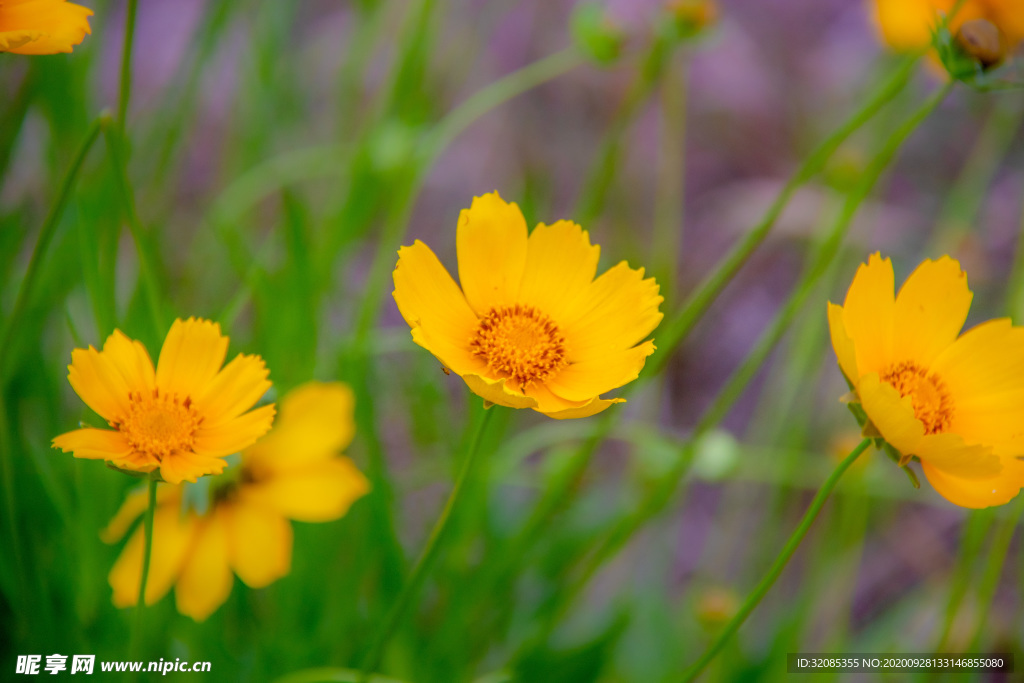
[
  {"x": 595, "y": 34},
  {"x": 982, "y": 41}
]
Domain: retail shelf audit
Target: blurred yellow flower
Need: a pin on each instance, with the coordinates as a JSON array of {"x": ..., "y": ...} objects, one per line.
[
  {"x": 908, "y": 24},
  {"x": 182, "y": 418},
  {"x": 42, "y": 27},
  {"x": 954, "y": 402},
  {"x": 530, "y": 326},
  {"x": 294, "y": 473}
]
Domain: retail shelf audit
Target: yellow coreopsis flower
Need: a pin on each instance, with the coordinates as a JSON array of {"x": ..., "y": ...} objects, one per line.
[
  {"x": 42, "y": 27},
  {"x": 294, "y": 473},
  {"x": 908, "y": 24},
  {"x": 956, "y": 402},
  {"x": 530, "y": 326},
  {"x": 181, "y": 418}
]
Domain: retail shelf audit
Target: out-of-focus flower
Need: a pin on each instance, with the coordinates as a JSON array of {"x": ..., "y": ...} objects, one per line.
[
  {"x": 530, "y": 326},
  {"x": 42, "y": 27},
  {"x": 595, "y": 34},
  {"x": 691, "y": 17},
  {"x": 295, "y": 473},
  {"x": 909, "y": 24},
  {"x": 954, "y": 402},
  {"x": 181, "y": 418}
]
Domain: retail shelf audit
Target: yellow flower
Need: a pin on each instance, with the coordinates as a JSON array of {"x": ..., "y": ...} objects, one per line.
[
  {"x": 530, "y": 327},
  {"x": 908, "y": 24},
  {"x": 181, "y": 418},
  {"x": 293, "y": 473},
  {"x": 954, "y": 402},
  {"x": 42, "y": 27}
]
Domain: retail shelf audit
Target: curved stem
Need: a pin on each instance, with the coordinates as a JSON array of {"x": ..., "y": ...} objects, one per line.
[
  {"x": 125, "y": 90},
  {"x": 140, "y": 605},
  {"x": 45, "y": 237},
  {"x": 768, "y": 581},
  {"x": 426, "y": 558},
  {"x": 675, "y": 331}
]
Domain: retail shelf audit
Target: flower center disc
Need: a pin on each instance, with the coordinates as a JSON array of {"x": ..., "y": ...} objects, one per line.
[
  {"x": 519, "y": 343},
  {"x": 159, "y": 425},
  {"x": 932, "y": 403}
]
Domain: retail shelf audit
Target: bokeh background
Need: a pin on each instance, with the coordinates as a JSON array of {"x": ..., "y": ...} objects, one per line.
[{"x": 275, "y": 147}]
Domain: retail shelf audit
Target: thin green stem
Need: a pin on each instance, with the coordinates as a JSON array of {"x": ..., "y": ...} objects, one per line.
[
  {"x": 427, "y": 556},
  {"x": 147, "y": 263},
  {"x": 446, "y": 131},
  {"x": 669, "y": 196},
  {"x": 46, "y": 234},
  {"x": 993, "y": 570},
  {"x": 755, "y": 597},
  {"x": 818, "y": 265},
  {"x": 124, "y": 94},
  {"x": 13, "y": 323},
  {"x": 140, "y": 605},
  {"x": 674, "y": 331}
]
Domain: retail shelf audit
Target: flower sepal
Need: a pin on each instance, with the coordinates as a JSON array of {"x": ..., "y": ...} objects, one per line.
[
  {"x": 153, "y": 475},
  {"x": 976, "y": 55},
  {"x": 902, "y": 461}
]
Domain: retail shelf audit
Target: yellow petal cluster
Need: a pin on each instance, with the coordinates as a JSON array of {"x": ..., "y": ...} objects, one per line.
[
  {"x": 180, "y": 418},
  {"x": 42, "y": 27},
  {"x": 530, "y": 326},
  {"x": 954, "y": 401},
  {"x": 908, "y": 24},
  {"x": 294, "y": 473}
]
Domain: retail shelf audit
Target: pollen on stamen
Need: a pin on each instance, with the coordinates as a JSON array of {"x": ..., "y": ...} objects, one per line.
[
  {"x": 520, "y": 344},
  {"x": 931, "y": 400},
  {"x": 159, "y": 425}
]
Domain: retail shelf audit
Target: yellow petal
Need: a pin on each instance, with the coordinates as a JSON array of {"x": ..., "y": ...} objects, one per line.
[
  {"x": 560, "y": 265},
  {"x": 131, "y": 360},
  {"x": 55, "y": 25},
  {"x": 841, "y": 342},
  {"x": 206, "y": 579},
  {"x": 191, "y": 356},
  {"x": 316, "y": 492},
  {"x": 315, "y": 423},
  {"x": 949, "y": 453},
  {"x": 892, "y": 414},
  {"x": 132, "y": 507},
  {"x": 983, "y": 371},
  {"x": 618, "y": 310},
  {"x": 95, "y": 379},
  {"x": 234, "y": 435},
  {"x": 587, "y": 379},
  {"x": 172, "y": 537},
  {"x": 12, "y": 40},
  {"x": 906, "y": 24},
  {"x": 259, "y": 543},
  {"x": 233, "y": 390},
  {"x": 561, "y": 409},
  {"x": 931, "y": 307},
  {"x": 97, "y": 444},
  {"x": 978, "y": 493},
  {"x": 868, "y": 315},
  {"x": 185, "y": 466},
  {"x": 491, "y": 243},
  {"x": 496, "y": 392}
]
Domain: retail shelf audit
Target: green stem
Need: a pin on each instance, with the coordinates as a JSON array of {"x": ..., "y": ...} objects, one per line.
[
  {"x": 147, "y": 263},
  {"x": 446, "y": 131},
  {"x": 140, "y": 605},
  {"x": 670, "y": 191},
  {"x": 818, "y": 265},
  {"x": 46, "y": 234},
  {"x": 768, "y": 581},
  {"x": 595, "y": 188},
  {"x": 124, "y": 93},
  {"x": 674, "y": 331},
  {"x": 427, "y": 556}
]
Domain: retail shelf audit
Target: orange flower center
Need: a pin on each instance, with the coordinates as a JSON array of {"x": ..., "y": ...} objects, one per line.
[
  {"x": 932, "y": 403},
  {"x": 519, "y": 343},
  {"x": 159, "y": 425}
]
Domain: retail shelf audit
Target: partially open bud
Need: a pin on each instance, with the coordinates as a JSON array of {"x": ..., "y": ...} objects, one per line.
[
  {"x": 691, "y": 17},
  {"x": 716, "y": 606},
  {"x": 982, "y": 41}
]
